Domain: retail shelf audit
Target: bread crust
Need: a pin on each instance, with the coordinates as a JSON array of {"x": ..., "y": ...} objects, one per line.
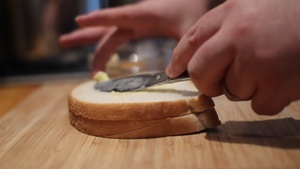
[{"x": 190, "y": 123}]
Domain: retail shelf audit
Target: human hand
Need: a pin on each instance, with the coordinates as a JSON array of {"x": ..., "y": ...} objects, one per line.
[
  {"x": 251, "y": 46},
  {"x": 113, "y": 27}
]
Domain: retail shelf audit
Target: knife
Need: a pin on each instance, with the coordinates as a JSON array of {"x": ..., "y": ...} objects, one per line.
[{"x": 136, "y": 82}]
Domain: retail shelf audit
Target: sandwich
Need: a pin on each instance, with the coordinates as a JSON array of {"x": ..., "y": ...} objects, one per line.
[{"x": 158, "y": 111}]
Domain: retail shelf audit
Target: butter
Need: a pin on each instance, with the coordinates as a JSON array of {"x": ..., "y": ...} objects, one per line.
[{"x": 101, "y": 76}]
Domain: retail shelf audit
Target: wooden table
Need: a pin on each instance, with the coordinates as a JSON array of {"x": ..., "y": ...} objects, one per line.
[{"x": 35, "y": 133}]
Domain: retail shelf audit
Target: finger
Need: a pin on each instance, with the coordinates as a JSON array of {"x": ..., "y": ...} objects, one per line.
[
  {"x": 108, "y": 45},
  {"x": 239, "y": 78},
  {"x": 205, "y": 27},
  {"x": 84, "y": 36},
  {"x": 210, "y": 63},
  {"x": 265, "y": 102}
]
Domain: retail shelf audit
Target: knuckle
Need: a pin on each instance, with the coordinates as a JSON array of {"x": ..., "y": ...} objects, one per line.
[
  {"x": 247, "y": 26},
  {"x": 191, "y": 37},
  {"x": 243, "y": 28}
]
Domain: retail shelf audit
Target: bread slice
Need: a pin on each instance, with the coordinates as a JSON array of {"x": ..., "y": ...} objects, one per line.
[{"x": 163, "y": 110}]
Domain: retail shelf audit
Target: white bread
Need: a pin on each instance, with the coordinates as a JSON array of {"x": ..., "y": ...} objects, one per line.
[{"x": 169, "y": 109}]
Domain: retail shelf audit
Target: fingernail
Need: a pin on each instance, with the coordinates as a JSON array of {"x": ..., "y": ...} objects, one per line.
[
  {"x": 63, "y": 37},
  {"x": 169, "y": 71},
  {"x": 77, "y": 18}
]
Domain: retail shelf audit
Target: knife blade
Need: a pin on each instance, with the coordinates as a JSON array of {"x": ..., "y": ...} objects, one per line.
[{"x": 136, "y": 82}]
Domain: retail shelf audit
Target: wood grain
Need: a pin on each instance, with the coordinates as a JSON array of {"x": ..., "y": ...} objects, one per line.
[
  {"x": 36, "y": 134},
  {"x": 11, "y": 95}
]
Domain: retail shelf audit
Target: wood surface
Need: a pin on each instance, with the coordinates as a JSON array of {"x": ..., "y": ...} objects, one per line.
[
  {"x": 35, "y": 133},
  {"x": 13, "y": 94}
]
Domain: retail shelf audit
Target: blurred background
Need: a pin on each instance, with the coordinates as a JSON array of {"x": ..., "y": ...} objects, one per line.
[{"x": 29, "y": 33}]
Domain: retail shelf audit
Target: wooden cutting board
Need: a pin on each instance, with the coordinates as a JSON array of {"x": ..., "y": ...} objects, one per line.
[{"x": 37, "y": 134}]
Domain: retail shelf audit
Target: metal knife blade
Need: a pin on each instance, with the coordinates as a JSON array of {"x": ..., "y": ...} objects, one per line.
[{"x": 135, "y": 82}]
